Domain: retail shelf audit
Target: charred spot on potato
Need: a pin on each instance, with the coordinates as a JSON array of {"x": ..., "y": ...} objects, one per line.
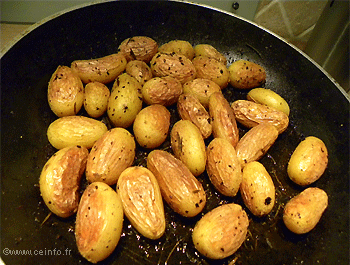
[{"x": 268, "y": 200}]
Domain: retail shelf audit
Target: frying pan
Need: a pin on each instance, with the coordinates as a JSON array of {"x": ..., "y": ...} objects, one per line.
[{"x": 319, "y": 107}]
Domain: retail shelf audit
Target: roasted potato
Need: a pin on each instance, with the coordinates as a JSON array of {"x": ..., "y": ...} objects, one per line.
[
  {"x": 178, "y": 46},
  {"x": 245, "y": 75},
  {"x": 140, "y": 48},
  {"x": 209, "y": 51},
  {"x": 96, "y": 97},
  {"x": 139, "y": 70}
]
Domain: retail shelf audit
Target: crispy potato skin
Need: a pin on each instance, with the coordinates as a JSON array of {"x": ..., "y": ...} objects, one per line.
[
  {"x": 139, "y": 70},
  {"x": 209, "y": 51},
  {"x": 110, "y": 155},
  {"x": 179, "y": 187},
  {"x": 65, "y": 92},
  {"x": 302, "y": 213},
  {"x": 257, "y": 189},
  {"x": 178, "y": 46},
  {"x": 308, "y": 161},
  {"x": 103, "y": 70},
  {"x": 142, "y": 201},
  {"x": 75, "y": 130},
  {"x": 250, "y": 114},
  {"x": 223, "y": 167},
  {"x": 245, "y": 75},
  {"x": 140, "y": 48},
  {"x": 221, "y": 232},
  {"x": 60, "y": 180},
  {"x": 151, "y": 126},
  {"x": 99, "y": 222}
]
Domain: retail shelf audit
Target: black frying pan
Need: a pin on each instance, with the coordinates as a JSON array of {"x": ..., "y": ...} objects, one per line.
[{"x": 318, "y": 107}]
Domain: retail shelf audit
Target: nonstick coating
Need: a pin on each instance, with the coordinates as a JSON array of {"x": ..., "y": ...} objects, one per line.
[{"x": 318, "y": 108}]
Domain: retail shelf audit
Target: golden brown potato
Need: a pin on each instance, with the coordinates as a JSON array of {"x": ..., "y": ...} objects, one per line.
[
  {"x": 110, "y": 155},
  {"x": 142, "y": 201},
  {"x": 151, "y": 126},
  {"x": 178, "y": 46},
  {"x": 245, "y": 75},
  {"x": 211, "y": 69},
  {"x": 209, "y": 51},
  {"x": 221, "y": 232},
  {"x": 103, "y": 70},
  {"x": 303, "y": 212},
  {"x": 99, "y": 222},
  {"x": 175, "y": 65},
  {"x": 139, "y": 70},
  {"x": 60, "y": 180},
  {"x": 308, "y": 161},
  {"x": 65, "y": 92},
  {"x": 161, "y": 90},
  {"x": 96, "y": 97},
  {"x": 140, "y": 48},
  {"x": 202, "y": 88},
  {"x": 179, "y": 187}
]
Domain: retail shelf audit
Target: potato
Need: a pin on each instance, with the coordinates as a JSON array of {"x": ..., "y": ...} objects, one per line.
[
  {"x": 269, "y": 98},
  {"x": 140, "y": 48},
  {"x": 125, "y": 101},
  {"x": 161, "y": 90},
  {"x": 139, "y": 70},
  {"x": 257, "y": 189},
  {"x": 142, "y": 201},
  {"x": 178, "y": 46},
  {"x": 250, "y": 114},
  {"x": 151, "y": 126},
  {"x": 202, "y": 88},
  {"x": 175, "y": 65},
  {"x": 223, "y": 119},
  {"x": 65, "y": 92},
  {"x": 75, "y": 130},
  {"x": 99, "y": 222},
  {"x": 308, "y": 161},
  {"x": 211, "y": 69},
  {"x": 209, "y": 51},
  {"x": 245, "y": 75},
  {"x": 60, "y": 180},
  {"x": 189, "y": 108},
  {"x": 110, "y": 155},
  {"x": 302, "y": 213},
  {"x": 179, "y": 187},
  {"x": 96, "y": 97},
  {"x": 223, "y": 167},
  {"x": 221, "y": 232},
  {"x": 188, "y": 145},
  {"x": 255, "y": 143},
  {"x": 103, "y": 70}
]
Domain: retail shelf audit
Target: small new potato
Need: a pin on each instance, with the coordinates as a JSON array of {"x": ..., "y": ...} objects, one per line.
[
  {"x": 140, "y": 48},
  {"x": 245, "y": 75},
  {"x": 302, "y": 213},
  {"x": 151, "y": 126},
  {"x": 65, "y": 92},
  {"x": 179, "y": 187},
  {"x": 139, "y": 70},
  {"x": 269, "y": 98},
  {"x": 257, "y": 189},
  {"x": 308, "y": 161},
  {"x": 96, "y": 97},
  {"x": 209, "y": 51},
  {"x": 110, "y": 155},
  {"x": 190, "y": 108},
  {"x": 221, "y": 232},
  {"x": 103, "y": 70},
  {"x": 223, "y": 119},
  {"x": 178, "y": 46},
  {"x": 75, "y": 130},
  {"x": 223, "y": 167},
  {"x": 188, "y": 145},
  {"x": 125, "y": 101},
  {"x": 212, "y": 69},
  {"x": 142, "y": 201},
  {"x": 161, "y": 90},
  {"x": 202, "y": 88},
  {"x": 99, "y": 222},
  {"x": 60, "y": 180}
]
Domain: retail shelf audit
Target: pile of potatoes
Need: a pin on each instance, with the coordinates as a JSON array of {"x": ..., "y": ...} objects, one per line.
[{"x": 144, "y": 80}]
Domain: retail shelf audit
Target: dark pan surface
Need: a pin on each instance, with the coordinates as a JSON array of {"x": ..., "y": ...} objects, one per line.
[{"x": 317, "y": 105}]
